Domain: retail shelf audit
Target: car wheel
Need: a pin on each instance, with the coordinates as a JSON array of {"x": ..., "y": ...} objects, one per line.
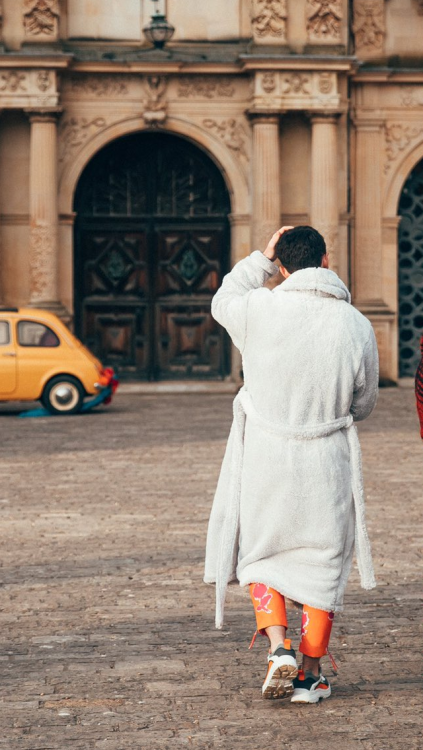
[{"x": 63, "y": 395}]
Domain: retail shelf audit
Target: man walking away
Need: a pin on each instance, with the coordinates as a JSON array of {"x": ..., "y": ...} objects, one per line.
[{"x": 289, "y": 505}]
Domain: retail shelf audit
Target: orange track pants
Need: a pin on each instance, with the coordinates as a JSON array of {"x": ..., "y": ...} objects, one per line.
[{"x": 269, "y": 606}]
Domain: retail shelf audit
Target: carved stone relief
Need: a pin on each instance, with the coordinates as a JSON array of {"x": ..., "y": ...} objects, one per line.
[
  {"x": 12, "y": 81},
  {"x": 279, "y": 91},
  {"x": 268, "y": 82},
  {"x": 398, "y": 137},
  {"x": 28, "y": 88},
  {"x": 411, "y": 96},
  {"x": 41, "y": 18},
  {"x": 419, "y": 7},
  {"x": 43, "y": 244},
  {"x": 205, "y": 87},
  {"x": 155, "y": 104},
  {"x": 98, "y": 86},
  {"x": 296, "y": 83},
  {"x": 75, "y": 131},
  {"x": 269, "y": 18},
  {"x": 232, "y": 133},
  {"x": 324, "y": 18},
  {"x": 369, "y": 25}
]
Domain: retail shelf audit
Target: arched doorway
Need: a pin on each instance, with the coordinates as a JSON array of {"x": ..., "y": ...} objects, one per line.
[
  {"x": 151, "y": 247},
  {"x": 410, "y": 272}
]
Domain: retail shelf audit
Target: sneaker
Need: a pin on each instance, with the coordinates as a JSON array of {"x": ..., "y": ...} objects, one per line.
[
  {"x": 309, "y": 689},
  {"x": 281, "y": 672}
]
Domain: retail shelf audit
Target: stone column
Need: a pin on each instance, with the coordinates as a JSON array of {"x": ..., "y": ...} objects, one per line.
[
  {"x": 43, "y": 189},
  {"x": 367, "y": 255},
  {"x": 266, "y": 179},
  {"x": 324, "y": 211}
]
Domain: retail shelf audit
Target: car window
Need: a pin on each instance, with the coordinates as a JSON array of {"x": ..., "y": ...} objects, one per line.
[
  {"x": 4, "y": 333},
  {"x": 36, "y": 334}
]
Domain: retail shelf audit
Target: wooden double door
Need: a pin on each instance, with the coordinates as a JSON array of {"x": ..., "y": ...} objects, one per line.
[{"x": 149, "y": 259}]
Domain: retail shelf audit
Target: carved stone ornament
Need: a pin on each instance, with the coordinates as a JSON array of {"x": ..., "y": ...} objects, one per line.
[
  {"x": 205, "y": 87},
  {"x": 268, "y": 82},
  {"x": 232, "y": 133},
  {"x": 28, "y": 89},
  {"x": 369, "y": 25},
  {"x": 100, "y": 85},
  {"x": 13, "y": 81},
  {"x": 75, "y": 131},
  {"x": 41, "y": 18},
  {"x": 44, "y": 80},
  {"x": 411, "y": 96},
  {"x": 326, "y": 83},
  {"x": 324, "y": 19},
  {"x": 397, "y": 139},
  {"x": 419, "y": 4},
  {"x": 278, "y": 91},
  {"x": 269, "y": 19},
  {"x": 297, "y": 83},
  {"x": 43, "y": 243},
  {"x": 155, "y": 105}
]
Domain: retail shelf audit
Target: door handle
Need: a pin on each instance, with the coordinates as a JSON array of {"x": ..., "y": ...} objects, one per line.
[{"x": 9, "y": 354}]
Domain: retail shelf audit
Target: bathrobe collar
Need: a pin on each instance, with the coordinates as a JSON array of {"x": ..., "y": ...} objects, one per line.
[{"x": 321, "y": 281}]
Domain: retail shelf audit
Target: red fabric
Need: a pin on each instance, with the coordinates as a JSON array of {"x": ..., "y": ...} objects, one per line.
[{"x": 419, "y": 390}]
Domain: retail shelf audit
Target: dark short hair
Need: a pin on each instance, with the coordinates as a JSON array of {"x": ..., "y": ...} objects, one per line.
[{"x": 301, "y": 247}]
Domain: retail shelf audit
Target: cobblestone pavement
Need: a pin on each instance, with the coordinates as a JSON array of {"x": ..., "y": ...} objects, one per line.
[{"x": 106, "y": 629}]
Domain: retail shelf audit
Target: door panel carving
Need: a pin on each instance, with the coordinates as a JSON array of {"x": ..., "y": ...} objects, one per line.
[{"x": 151, "y": 250}]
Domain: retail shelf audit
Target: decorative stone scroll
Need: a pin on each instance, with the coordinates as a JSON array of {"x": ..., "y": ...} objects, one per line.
[
  {"x": 232, "y": 133},
  {"x": 205, "y": 87},
  {"x": 28, "y": 89},
  {"x": 369, "y": 26},
  {"x": 268, "y": 19},
  {"x": 41, "y": 19},
  {"x": 324, "y": 19},
  {"x": 398, "y": 137},
  {"x": 97, "y": 86},
  {"x": 278, "y": 91},
  {"x": 75, "y": 131}
]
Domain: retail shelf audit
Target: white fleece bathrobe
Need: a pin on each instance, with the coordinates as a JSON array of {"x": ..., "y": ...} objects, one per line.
[{"x": 289, "y": 504}]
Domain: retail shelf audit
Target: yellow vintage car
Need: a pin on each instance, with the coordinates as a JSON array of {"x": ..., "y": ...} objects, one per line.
[{"x": 40, "y": 359}]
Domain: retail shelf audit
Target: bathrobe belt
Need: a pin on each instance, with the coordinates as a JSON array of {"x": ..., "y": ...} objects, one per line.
[{"x": 228, "y": 551}]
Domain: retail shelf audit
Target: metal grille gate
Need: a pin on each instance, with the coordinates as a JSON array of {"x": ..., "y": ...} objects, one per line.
[{"x": 410, "y": 272}]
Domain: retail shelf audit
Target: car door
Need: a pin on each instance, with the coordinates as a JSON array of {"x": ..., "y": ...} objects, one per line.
[
  {"x": 39, "y": 352},
  {"x": 7, "y": 359}
]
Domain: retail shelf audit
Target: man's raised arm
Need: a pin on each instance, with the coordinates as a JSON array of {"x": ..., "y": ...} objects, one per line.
[{"x": 230, "y": 303}]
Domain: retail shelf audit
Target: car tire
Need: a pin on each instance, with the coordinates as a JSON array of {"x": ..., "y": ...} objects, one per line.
[{"x": 63, "y": 395}]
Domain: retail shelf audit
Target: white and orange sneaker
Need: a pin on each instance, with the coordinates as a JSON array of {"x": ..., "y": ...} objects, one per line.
[
  {"x": 310, "y": 689},
  {"x": 281, "y": 672}
]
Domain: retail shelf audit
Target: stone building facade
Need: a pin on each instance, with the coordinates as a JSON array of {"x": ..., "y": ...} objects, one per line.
[{"x": 131, "y": 179}]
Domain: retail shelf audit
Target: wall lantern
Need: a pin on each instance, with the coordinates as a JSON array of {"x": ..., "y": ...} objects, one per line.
[{"x": 159, "y": 30}]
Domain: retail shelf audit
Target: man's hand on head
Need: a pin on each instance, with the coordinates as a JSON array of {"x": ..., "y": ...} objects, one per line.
[{"x": 270, "y": 249}]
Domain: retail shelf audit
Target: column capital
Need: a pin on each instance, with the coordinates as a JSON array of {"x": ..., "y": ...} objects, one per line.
[
  {"x": 317, "y": 116},
  {"x": 268, "y": 118},
  {"x": 41, "y": 114}
]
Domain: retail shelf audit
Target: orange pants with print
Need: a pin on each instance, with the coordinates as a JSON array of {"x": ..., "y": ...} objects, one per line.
[{"x": 270, "y": 610}]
